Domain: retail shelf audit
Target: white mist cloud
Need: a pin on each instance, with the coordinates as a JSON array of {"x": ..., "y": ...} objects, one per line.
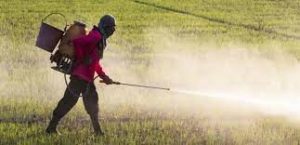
[{"x": 264, "y": 79}]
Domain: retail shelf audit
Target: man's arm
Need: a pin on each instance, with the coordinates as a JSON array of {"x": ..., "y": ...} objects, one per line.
[{"x": 102, "y": 74}]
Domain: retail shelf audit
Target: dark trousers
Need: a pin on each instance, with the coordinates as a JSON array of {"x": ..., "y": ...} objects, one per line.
[{"x": 70, "y": 98}]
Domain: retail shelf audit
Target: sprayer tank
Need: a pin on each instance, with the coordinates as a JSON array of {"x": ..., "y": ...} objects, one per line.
[{"x": 76, "y": 30}]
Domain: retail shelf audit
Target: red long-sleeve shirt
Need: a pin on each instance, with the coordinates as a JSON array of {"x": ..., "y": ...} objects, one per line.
[{"x": 86, "y": 47}]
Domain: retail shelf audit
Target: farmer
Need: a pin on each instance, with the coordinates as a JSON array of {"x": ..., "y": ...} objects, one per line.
[{"x": 88, "y": 51}]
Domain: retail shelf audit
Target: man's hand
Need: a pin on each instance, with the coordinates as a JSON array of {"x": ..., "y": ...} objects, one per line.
[{"x": 107, "y": 80}]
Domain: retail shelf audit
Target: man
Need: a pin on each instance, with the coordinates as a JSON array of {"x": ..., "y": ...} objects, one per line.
[{"x": 88, "y": 51}]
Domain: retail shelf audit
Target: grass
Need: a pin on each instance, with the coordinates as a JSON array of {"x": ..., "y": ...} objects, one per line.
[
  {"x": 29, "y": 90},
  {"x": 126, "y": 126}
]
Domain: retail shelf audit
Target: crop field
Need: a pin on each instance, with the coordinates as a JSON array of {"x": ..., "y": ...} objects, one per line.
[{"x": 232, "y": 67}]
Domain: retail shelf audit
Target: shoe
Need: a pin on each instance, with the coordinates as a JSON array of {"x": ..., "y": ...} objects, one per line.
[
  {"x": 51, "y": 129},
  {"x": 99, "y": 133}
]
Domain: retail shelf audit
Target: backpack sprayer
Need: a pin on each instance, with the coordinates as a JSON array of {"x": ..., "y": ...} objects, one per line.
[
  {"x": 64, "y": 57},
  {"x": 49, "y": 36}
]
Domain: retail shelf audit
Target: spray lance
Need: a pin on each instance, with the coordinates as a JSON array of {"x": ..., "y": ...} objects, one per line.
[{"x": 138, "y": 85}]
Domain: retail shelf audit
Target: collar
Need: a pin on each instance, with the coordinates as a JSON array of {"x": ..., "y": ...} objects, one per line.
[{"x": 101, "y": 31}]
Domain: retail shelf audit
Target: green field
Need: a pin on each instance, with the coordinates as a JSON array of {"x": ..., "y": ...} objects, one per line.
[{"x": 247, "y": 46}]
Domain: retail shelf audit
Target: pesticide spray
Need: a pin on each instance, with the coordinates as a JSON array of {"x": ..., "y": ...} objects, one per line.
[
  {"x": 269, "y": 106},
  {"x": 284, "y": 106},
  {"x": 238, "y": 76}
]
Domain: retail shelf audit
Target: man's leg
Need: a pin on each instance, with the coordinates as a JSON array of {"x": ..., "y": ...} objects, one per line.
[
  {"x": 69, "y": 99},
  {"x": 90, "y": 100}
]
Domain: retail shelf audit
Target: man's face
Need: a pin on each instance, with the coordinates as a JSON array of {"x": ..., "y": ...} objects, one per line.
[{"x": 109, "y": 30}]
